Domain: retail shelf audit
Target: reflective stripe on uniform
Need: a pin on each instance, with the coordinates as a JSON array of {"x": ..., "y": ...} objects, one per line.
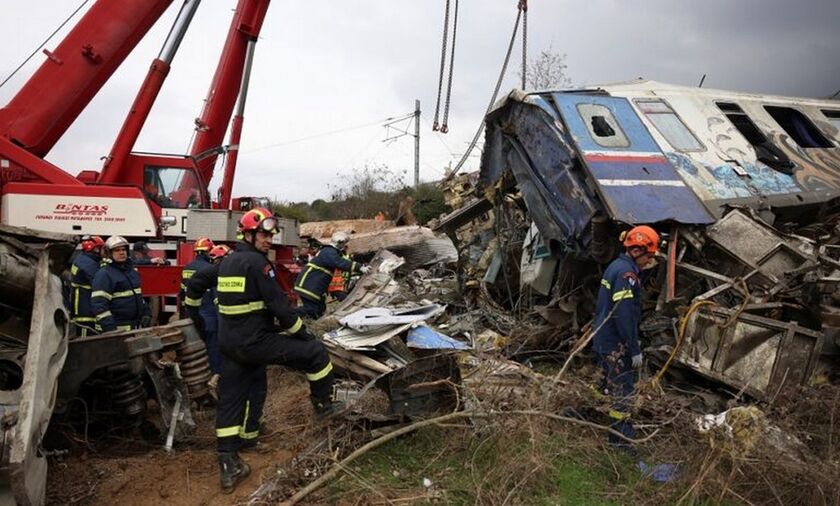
[
  {"x": 101, "y": 293},
  {"x": 82, "y": 319},
  {"x": 187, "y": 273},
  {"x": 79, "y": 285},
  {"x": 618, "y": 415},
  {"x": 74, "y": 269},
  {"x": 622, "y": 294},
  {"x": 606, "y": 284},
  {"x": 320, "y": 374},
  {"x": 189, "y": 301},
  {"x": 228, "y": 431},
  {"x": 318, "y": 267},
  {"x": 307, "y": 292},
  {"x": 123, "y": 327},
  {"x": 126, "y": 293},
  {"x": 294, "y": 329},
  {"x": 231, "y": 284},
  {"x": 242, "y": 308},
  {"x": 103, "y": 315},
  {"x": 250, "y": 435}
]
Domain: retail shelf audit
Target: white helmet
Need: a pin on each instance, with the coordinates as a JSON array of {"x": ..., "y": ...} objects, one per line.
[
  {"x": 115, "y": 241},
  {"x": 339, "y": 240}
]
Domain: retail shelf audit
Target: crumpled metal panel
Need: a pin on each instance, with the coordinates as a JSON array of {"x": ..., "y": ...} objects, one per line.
[
  {"x": 751, "y": 353},
  {"x": 527, "y": 139},
  {"x": 634, "y": 178}
]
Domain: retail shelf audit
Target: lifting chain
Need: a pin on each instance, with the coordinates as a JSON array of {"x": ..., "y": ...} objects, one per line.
[
  {"x": 444, "y": 127},
  {"x": 523, "y": 7},
  {"x": 436, "y": 125}
]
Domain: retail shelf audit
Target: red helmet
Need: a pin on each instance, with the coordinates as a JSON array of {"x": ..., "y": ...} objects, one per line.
[
  {"x": 260, "y": 219},
  {"x": 202, "y": 244},
  {"x": 220, "y": 251},
  {"x": 643, "y": 236},
  {"x": 92, "y": 242}
]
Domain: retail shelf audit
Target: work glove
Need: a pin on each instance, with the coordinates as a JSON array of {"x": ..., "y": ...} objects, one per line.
[
  {"x": 158, "y": 261},
  {"x": 637, "y": 361},
  {"x": 364, "y": 269},
  {"x": 146, "y": 321}
]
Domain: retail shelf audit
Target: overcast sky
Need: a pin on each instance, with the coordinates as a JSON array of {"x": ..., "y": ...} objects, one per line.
[{"x": 323, "y": 66}]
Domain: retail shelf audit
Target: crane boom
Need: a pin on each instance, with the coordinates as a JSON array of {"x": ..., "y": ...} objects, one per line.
[
  {"x": 224, "y": 90},
  {"x": 75, "y": 71}
]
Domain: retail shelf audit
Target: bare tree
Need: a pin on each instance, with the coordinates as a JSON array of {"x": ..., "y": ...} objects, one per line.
[{"x": 547, "y": 71}]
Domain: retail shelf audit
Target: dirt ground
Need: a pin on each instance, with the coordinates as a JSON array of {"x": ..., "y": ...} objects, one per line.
[{"x": 129, "y": 470}]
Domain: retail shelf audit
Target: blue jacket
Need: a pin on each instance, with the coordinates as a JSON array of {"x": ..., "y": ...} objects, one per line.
[
  {"x": 117, "y": 298},
  {"x": 200, "y": 262},
  {"x": 201, "y": 296},
  {"x": 84, "y": 268},
  {"x": 620, "y": 289},
  {"x": 313, "y": 280}
]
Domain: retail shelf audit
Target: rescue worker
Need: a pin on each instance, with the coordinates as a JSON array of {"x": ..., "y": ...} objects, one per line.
[
  {"x": 84, "y": 268},
  {"x": 117, "y": 298},
  {"x": 617, "y": 316},
  {"x": 250, "y": 300},
  {"x": 201, "y": 249},
  {"x": 140, "y": 255},
  {"x": 200, "y": 303},
  {"x": 314, "y": 279}
]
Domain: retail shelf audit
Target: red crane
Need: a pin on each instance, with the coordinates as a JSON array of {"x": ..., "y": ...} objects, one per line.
[{"x": 133, "y": 190}]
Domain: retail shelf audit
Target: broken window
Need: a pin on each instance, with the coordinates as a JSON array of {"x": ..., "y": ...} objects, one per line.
[
  {"x": 798, "y": 127},
  {"x": 602, "y": 126},
  {"x": 669, "y": 125},
  {"x": 833, "y": 117},
  {"x": 765, "y": 150}
]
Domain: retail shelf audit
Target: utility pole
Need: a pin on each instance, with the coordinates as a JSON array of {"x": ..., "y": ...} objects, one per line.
[{"x": 416, "y": 143}]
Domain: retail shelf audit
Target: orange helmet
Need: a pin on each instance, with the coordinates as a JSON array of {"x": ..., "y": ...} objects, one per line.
[
  {"x": 643, "y": 236},
  {"x": 219, "y": 251},
  {"x": 92, "y": 242},
  {"x": 260, "y": 219},
  {"x": 202, "y": 244}
]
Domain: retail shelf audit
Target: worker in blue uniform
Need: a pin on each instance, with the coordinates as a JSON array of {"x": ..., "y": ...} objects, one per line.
[
  {"x": 117, "y": 298},
  {"x": 257, "y": 327},
  {"x": 617, "y": 315},
  {"x": 201, "y": 250},
  {"x": 314, "y": 279},
  {"x": 200, "y": 304},
  {"x": 84, "y": 268}
]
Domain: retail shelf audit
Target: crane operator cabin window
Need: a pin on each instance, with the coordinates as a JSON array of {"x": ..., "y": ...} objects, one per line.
[{"x": 172, "y": 187}]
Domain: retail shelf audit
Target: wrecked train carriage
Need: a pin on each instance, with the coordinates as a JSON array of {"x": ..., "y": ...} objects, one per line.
[{"x": 744, "y": 186}]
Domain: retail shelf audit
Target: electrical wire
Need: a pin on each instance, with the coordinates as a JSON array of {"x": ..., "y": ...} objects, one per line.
[
  {"x": 327, "y": 133},
  {"x": 436, "y": 125},
  {"x": 444, "y": 127},
  {"x": 43, "y": 43}
]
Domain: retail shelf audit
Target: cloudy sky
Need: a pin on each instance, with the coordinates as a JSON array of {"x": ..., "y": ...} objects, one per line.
[{"x": 327, "y": 66}]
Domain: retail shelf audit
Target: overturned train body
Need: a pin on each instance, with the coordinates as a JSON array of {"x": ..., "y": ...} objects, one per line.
[{"x": 744, "y": 187}]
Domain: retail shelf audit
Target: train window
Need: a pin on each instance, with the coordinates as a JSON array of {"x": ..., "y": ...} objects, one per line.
[
  {"x": 765, "y": 150},
  {"x": 602, "y": 126},
  {"x": 833, "y": 117},
  {"x": 669, "y": 125},
  {"x": 798, "y": 127}
]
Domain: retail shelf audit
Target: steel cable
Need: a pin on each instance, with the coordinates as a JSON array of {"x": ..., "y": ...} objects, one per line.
[
  {"x": 435, "y": 124},
  {"x": 492, "y": 99},
  {"x": 445, "y": 126},
  {"x": 43, "y": 43}
]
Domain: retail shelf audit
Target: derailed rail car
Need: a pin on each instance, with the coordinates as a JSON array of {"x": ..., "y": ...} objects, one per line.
[{"x": 744, "y": 186}]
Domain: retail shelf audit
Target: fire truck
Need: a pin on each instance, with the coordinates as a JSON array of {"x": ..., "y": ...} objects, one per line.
[{"x": 136, "y": 195}]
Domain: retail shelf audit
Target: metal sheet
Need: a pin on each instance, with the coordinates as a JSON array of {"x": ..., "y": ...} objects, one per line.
[{"x": 634, "y": 178}]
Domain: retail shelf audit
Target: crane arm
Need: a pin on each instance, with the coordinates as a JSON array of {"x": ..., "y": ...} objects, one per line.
[{"x": 75, "y": 71}]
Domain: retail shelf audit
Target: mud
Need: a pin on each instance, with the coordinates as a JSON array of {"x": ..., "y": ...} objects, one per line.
[{"x": 130, "y": 470}]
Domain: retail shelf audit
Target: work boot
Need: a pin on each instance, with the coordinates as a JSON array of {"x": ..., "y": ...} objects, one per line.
[
  {"x": 231, "y": 471},
  {"x": 254, "y": 446},
  {"x": 327, "y": 409}
]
